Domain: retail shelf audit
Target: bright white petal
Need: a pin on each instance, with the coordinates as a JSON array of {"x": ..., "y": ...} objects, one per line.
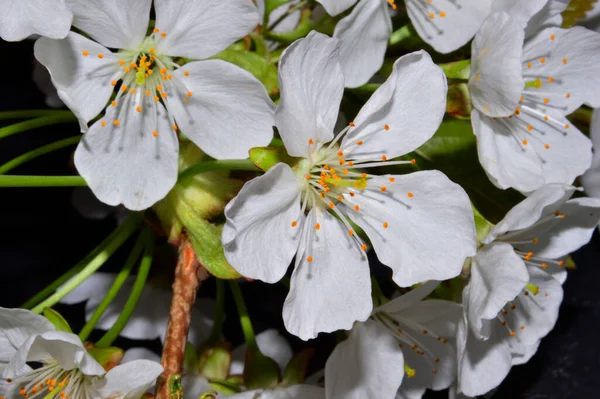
[
  {"x": 312, "y": 85},
  {"x": 496, "y": 79},
  {"x": 549, "y": 15},
  {"x": 482, "y": 365},
  {"x": 83, "y": 82},
  {"x": 222, "y": 108},
  {"x": 446, "y": 24},
  {"x": 133, "y": 159},
  {"x": 541, "y": 203},
  {"x": 114, "y": 23},
  {"x": 408, "y": 300},
  {"x": 421, "y": 225},
  {"x": 260, "y": 237},
  {"x": 134, "y": 354},
  {"x": 335, "y": 7},
  {"x": 94, "y": 287},
  {"x": 369, "y": 364},
  {"x": 402, "y": 114},
  {"x": 333, "y": 290},
  {"x": 130, "y": 380},
  {"x": 271, "y": 344},
  {"x": 498, "y": 275},
  {"x": 16, "y": 326},
  {"x": 293, "y": 392},
  {"x": 572, "y": 58},
  {"x": 521, "y": 353},
  {"x": 363, "y": 37},
  {"x": 199, "y": 29},
  {"x": 591, "y": 179},
  {"x": 521, "y": 11},
  {"x": 19, "y": 19}
]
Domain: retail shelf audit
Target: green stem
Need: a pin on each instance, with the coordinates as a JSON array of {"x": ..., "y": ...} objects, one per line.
[
  {"x": 101, "y": 254},
  {"x": 40, "y": 296},
  {"x": 31, "y": 113},
  {"x": 209, "y": 166},
  {"x": 116, "y": 285},
  {"x": 28, "y": 156},
  {"x": 298, "y": 6},
  {"x": 217, "y": 328},
  {"x": 403, "y": 33},
  {"x": 138, "y": 287},
  {"x": 42, "y": 181},
  {"x": 243, "y": 314},
  {"x": 20, "y": 127}
]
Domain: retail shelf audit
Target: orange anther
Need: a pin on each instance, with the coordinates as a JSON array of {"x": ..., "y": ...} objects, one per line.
[
  {"x": 383, "y": 158},
  {"x": 410, "y": 194},
  {"x": 386, "y": 127},
  {"x": 442, "y": 14},
  {"x": 85, "y": 53},
  {"x": 568, "y": 95},
  {"x": 121, "y": 62},
  {"x": 155, "y": 133},
  {"x": 352, "y": 124},
  {"x": 356, "y": 208},
  {"x": 359, "y": 142},
  {"x": 392, "y": 179},
  {"x": 512, "y": 333},
  {"x": 331, "y": 205},
  {"x": 552, "y": 37},
  {"x": 364, "y": 247},
  {"x": 317, "y": 226},
  {"x": 340, "y": 153},
  {"x": 529, "y": 127},
  {"x": 551, "y": 79},
  {"x": 311, "y": 141},
  {"x": 546, "y": 101},
  {"x": 529, "y": 65},
  {"x": 543, "y": 60},
  {"x": 138, "y": 108},
  {"x": 148, "y": 92},
  {"x": 432, "y": 15},
  {"x": 116, "y": 122},
  {"x": 189, "y": 93},
  {"x": 163, "y": 35},
  {"x": 113, "y": 83},
  {"x": 124, "y": 87},
  {"x": 565, "y": 60},
  {"x": 113, "y": 103},
  {"x": 103, "y": 123},
  {"x": 156, "y": 98},
  {"x": 383, "y": 188},
  {"x": 385, "y": 225},
  {"x": 100, "y": 55},
  {"x": 186, "y": 73},
  {"x": 350, "y": 233},
  {"x": 294, "y": 223},
  {"x": 156, "y": 30},
  {"x": 174, "y": 127}
]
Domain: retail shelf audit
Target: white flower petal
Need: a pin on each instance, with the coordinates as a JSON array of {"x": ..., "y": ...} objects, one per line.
[
  {"x": 293, "y": 392},
  {"x": 363, "y": 37},
  {"x": 260, "y": 237},
  {"x": 49, "y": 18},
  {"x": 541, "y": 203},
  {"x": 199, "y": 29},
  {"x": 83, "y": 82},
  {"x": 549, "y": 15},
  {"x": 130, "y": 380},
  {"x": 445, "y": 24},
  {"x": 496, "y": 81},
  {"x": 521, "y": 11},
  {"x": 403, "y": 113},
  {"x": 333, "y": 290},
  {"x": 410, "y": 392},
  {"x": 114, "y": 23},
  {"x": 421, "y": 226},
  {"x": 572, "y": 58},
  {"x": 408, "y": 300},
  {"x": 482, "y": 365},
  {"x": 368, "y": 364},
  {"x": 534, "y": 315},
  {"x": 505, "y": 161},
  {"x": 134, "y": 354},
  {"x": 16, "y": 326},
  {"x": 497, "y": 275},
  {"x": 521, "y": 353},
  {"x": 335, "y": 7},
  {"x": 271, "y": 344},
  {"x": 95, "y": 286},
  {"x": 591, "y": 179},
  {"x": 312, "y": 85},
  {"x": 221, "y": 107},
  {"x": 126, "y": 161},
  {"x": 195, "y": 385}
]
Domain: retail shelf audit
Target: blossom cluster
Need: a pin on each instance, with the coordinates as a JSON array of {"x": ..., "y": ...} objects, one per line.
[{"x": 160, "y": 87}]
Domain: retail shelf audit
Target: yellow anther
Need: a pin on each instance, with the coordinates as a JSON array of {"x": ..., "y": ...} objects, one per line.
[{"x": 410, "y": 372}]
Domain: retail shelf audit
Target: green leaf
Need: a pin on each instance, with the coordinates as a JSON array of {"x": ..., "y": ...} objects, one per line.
[
  {"x": 260, "y": 371},
  {"x": 295, "y": 371},
  {"x": 453, "y": 150},
  {"x": 267, "y": 157},
  {"x": 262, "y": 69},
  {"x": 57, "y": 320}
]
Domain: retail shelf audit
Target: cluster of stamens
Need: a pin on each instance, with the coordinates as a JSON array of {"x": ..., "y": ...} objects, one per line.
[{"x": 50, "y": 381}]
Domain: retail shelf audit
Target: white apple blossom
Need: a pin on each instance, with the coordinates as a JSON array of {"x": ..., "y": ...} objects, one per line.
[
  {"x": 129, "y": 156},
  {"x": 405, "y": 336},
  {"x": 301, "y": 391},
  {"x": 444, "y": 24},
  {"x": 420, "y": 224},
  {"x": 20, "y": 19},
  {"x": 527, "y": 75},
  {"x": 512, "y": 299},
  {"x": 67, "y": 369},
  {"x": 591, "y": 179}
]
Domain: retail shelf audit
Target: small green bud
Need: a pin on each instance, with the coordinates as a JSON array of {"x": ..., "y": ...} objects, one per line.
[
  {"x": 214, "y": 361},
  {"x": 57, "y": 320},
  {"x": 267, "y": 157},
  {"x": 107, "y": 357}
]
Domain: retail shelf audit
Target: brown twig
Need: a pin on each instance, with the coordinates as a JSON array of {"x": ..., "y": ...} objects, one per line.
[{"x": 188, "y": 276}]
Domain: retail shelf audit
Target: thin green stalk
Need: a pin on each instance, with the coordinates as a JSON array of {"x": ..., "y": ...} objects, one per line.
[
  {"x": 35, "y": 123},
  {"x": 102, "y": 253},
  {"x": 401, "y": 34},
  {"x": 42, "y": 181},
  {"x": 138, "y": 287},
  {"x": 217, "y": 328},
  {"x": 209, "y": 166},
  {"x": 31, "y": 113},
  {"x": 243, "y": 314},
  {"x": 116, "y": 285},
  {"x": 28, "y": 156}
]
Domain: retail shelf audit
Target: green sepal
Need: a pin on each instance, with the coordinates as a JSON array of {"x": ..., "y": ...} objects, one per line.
[
  {"x": 457, "y": 69},
  {"x": 267, "y": 157},
  {"x": 305, "y": 25},
  {"x": 458, "y": 102},
  {"x": 260, "y": 371},
  {"x": 57, "y": 320},
  {"x": 206, "y": 240},
  {"x": 482, "y": 226},
  {"x": 108, "y": 357},
  {"x": 258, "y": 66},
  {"x": 214, "y": 361},
  {"x": 223, "y": 386},
  {"x": 295, "y": 371}
]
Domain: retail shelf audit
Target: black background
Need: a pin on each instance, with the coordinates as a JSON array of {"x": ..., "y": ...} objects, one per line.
[{"x": 43, "y": 236}]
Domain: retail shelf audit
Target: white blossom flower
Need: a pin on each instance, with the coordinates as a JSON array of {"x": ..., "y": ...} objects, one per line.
[
  {"x": 151, "y": 314},
  {"x": 591, "y": 179},
  {"x": 129, "y": 156},
  {"x": 524, "y": 81},
  {"x": 444, "y": 24},
  {"x": 20, "y": 19},
  {"x": 511, "y": 301},
  {"x": 301, "y": 391},
  {"x": 420, "y": 224},
  {"x": 67, "y": 369},
  {"x": 406, "y": 336}
]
